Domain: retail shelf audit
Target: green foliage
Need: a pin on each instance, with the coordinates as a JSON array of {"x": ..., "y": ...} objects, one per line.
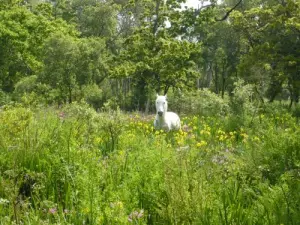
[
  {"x": 162, "y": 63},
  {"x": 60, "y": 61},
  {"x": 93, "y": 95},
  {"x": 236, "y": 159},
  {"x": 98, "y": 19},
  {"x": 201, "y": 102},
  {"x": 111, "y": 127},
  {"x": 273, "y": 23},
  {"x": 22, "y": 36},
  {"x": 26, "y": 85},
  {"x": 4, "y": 98},
  {"x": 75, "y": 165},
  {"x": 242, "y": 98},
  {"x": 71, "y": 63},
  {"x": 142, "y": 47}
]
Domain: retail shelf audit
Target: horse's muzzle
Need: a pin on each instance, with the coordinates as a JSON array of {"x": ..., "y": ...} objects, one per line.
[{"x": 160, "y": 113}]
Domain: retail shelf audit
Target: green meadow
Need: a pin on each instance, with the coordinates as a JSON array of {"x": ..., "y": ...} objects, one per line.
[{"x": 73, "y": 165}]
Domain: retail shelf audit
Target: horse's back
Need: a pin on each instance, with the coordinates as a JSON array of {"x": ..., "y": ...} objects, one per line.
[{"x": 174, "y": 120}]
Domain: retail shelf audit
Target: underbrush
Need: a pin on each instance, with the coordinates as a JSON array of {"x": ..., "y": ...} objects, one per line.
[{"x": 75, "y": 166}]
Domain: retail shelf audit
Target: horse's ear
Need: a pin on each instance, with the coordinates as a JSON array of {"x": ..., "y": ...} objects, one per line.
[
  {"x": 166, "y": 96},
  {"x": 157, "y": 95}
]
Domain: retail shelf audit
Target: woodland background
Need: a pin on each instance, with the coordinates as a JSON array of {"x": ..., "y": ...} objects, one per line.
[
  {"x": 123, "y": 52},
  {"x": 78, "y": 79}
]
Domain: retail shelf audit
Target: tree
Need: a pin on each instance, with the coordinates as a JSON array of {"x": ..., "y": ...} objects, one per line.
[
  {"x": 221, "y": 54},
  {"x": 272, "y": 36},
  {"x": 92, "y": 65},
  {"x": 155, "y": 60},
  {"x": 61, "y": 57},
  {"x": 22, "y": 35},
  {"x": 162, "y": 62},
  {"x": 98, "y": 19},
  {"x": 221, "y": 47},
  {"x": 70, "y": 63}
]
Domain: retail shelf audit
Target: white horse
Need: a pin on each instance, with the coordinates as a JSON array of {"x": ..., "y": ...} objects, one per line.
[{"x": 165, "y": 120}]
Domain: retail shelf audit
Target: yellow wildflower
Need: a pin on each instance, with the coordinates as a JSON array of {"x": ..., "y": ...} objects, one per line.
[
  {"x": 222, "y": 137},
  {"x": 98, "y": 140},
  {"x": 256, "y": 139},
  {"x": 220, "y": 131},
  {"x": 201, "y": 143},
  {"x": 244, "y": 135}
]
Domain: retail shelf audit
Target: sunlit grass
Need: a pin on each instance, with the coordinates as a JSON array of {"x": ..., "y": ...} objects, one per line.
[{"x": 76, "y": 166}]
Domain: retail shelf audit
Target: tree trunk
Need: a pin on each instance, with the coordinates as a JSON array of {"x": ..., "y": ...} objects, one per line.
[
  {"x": 223, "y": 80},
  {"x": 147, "y": 106},
  {"x": 198, "y": 83},
  {"x": 216, "y": 79},
  {"x": 70, "y": 94},
  {"x": 209, "y": 74}
]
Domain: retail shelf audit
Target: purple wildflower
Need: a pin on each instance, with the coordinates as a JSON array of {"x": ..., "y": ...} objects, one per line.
[
  {"x": 61, "y": 115},
  {"x": 135, "y": 215},
  {"x": 52, "y": 210}
]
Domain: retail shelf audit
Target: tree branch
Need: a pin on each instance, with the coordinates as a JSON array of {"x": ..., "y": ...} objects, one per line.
[
  {"x": 155, "y": 26},
  {"x": 228, "y": 13},
  {"x": 197, "y": 11}
]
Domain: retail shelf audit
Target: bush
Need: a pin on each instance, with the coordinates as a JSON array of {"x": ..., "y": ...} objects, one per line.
[
  {"x": 93, "y": 95},
  {"x": 26, "y": 85},
  {"x": 242, "y": 99},
  {"x": 4, "y": 98},
  {"x": 296, "y": 111},
  {"x": 202, "y": 102}
]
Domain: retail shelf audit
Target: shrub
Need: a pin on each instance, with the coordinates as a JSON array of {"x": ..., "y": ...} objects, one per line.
[
  {"x": 4, "y": 98},
  {"x": 242, "y": 99},
  {"x": 202, "y": 102},
  {"x": 93, "y": 95},
  {"x": 26, "y": 85}
]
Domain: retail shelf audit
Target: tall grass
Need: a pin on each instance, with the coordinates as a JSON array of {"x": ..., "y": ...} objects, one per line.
[{"x": 76, "y": 166}]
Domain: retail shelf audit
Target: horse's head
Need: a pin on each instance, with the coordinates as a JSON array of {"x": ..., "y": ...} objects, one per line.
[{"x": 161, "y": 104}]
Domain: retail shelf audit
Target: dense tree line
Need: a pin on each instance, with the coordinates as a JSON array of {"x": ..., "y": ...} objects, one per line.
[{"x": 123, "y": 51}]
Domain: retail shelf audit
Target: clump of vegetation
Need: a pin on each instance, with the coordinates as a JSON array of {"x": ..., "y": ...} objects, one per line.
[{"x": 201, "y": 102}]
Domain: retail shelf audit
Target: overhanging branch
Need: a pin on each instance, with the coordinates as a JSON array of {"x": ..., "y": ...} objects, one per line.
[
  {"x": 197, "y": 11},
  {"x": 228, "y": 12}
]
